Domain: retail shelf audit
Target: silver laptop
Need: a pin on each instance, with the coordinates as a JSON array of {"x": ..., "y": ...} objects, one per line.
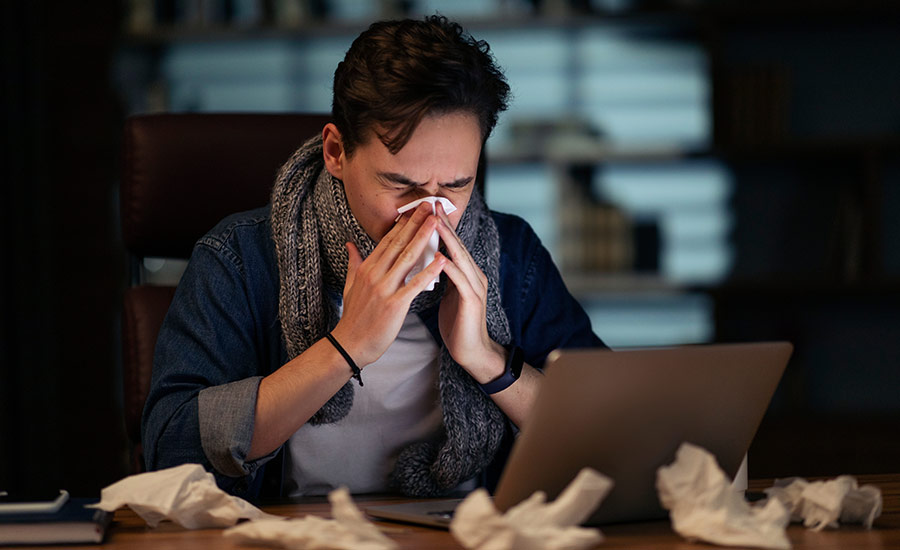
[{"x": 625, "y": 413}]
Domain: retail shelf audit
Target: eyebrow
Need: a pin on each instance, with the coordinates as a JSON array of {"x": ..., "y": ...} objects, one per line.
[{"x": 403, "y": 180}]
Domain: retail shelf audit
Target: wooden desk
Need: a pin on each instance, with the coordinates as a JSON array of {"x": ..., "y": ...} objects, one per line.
[{"x": 130, "y": 532}]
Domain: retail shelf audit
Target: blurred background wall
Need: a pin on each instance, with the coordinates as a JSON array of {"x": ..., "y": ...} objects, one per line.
[{"x": 701, "y": 171}]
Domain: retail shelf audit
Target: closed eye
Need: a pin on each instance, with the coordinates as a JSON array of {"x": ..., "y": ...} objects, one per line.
[
  {"x": 458, "y": 184},
  {"x": 404, "y": 182}
]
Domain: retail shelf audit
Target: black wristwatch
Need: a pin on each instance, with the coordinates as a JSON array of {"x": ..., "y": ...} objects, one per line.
[{"x": 510, "y": 374}]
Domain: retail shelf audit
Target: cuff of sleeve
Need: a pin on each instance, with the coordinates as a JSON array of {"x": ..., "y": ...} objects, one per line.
[{"x": 227, "y": 413}]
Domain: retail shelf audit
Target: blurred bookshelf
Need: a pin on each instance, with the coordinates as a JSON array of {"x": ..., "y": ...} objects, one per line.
[
  {"x": 700, "y": 170},
  {"x": 594, "y": 83}
]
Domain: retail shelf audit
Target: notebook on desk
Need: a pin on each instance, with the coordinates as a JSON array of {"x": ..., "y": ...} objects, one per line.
[{"x": 624, "y": 413}]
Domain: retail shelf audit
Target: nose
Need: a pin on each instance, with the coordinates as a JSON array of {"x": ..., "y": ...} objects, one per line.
[{"x": 430, "y": 189}]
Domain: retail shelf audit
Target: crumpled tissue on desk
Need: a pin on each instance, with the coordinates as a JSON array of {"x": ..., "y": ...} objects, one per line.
[
  {"x": 821, "y": 504},
  {"x": 702, "y": 505},
  {"x": 186, "y": 494},
  {"x": 533, "y": 523},
  {"x": 349, "y": 530}
]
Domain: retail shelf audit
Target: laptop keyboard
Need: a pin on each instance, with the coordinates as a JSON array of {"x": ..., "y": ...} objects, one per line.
[{"x": 444, "y": 515}]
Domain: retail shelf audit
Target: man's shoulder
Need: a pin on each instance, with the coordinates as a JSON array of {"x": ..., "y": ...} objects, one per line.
[
  {"x": 513, "y": 229},
  {"x": 240, "y": 230}
]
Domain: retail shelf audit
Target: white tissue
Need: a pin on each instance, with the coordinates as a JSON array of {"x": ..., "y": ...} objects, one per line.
[
  {"x": 349, "y": 530},
  {"x": 703, "y": 506},
  {"x": 433, "y": 242},
  {"x": 185, "y": 494},
  {"x": 821, "y": 504},
  {"x": 533, "y": 524},
  {"x": 861, "y": 505}
]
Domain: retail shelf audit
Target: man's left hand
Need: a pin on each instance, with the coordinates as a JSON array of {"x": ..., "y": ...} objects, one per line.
[{"x": 462, "y": 317}]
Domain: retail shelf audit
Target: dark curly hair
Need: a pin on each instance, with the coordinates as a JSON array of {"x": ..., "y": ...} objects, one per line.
[{"x": 398, "y": 72}]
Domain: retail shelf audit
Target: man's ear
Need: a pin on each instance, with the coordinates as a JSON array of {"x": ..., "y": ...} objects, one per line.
[{"x": 333, "y": 150}]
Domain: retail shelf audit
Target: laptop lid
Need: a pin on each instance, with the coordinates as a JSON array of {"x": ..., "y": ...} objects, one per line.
[{"x": 624, "y": 413}]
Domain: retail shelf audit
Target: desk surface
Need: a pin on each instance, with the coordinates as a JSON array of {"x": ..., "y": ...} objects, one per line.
[{"x": 130, "y": 532}]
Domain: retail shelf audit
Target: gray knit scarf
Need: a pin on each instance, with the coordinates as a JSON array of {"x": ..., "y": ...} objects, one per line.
[{"x": 311, "y": 221}]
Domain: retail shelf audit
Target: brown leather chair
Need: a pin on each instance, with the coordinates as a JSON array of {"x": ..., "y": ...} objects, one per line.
[{"x": 183, "y": 173}]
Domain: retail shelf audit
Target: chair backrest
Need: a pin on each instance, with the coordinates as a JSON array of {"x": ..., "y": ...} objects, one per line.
[{"x": 182, "y": 174}]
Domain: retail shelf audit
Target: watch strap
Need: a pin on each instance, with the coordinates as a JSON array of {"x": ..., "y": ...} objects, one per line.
[{"x": 510, "y": 374}]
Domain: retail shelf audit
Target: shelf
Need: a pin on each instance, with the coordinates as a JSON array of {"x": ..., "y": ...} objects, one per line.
[
  {"x": 174, "y": 34},
  {"x": 601, "y": 284},
  {"x": 812, "y": 148},
  {"x": 592, "y": 153},
  {"x": 670, "y": 18},
  {"x": 586, "y": 284},
  {"x": 793, "y": 11},
  {"x": 796, "y": 149},
  {"x": 670, "y": 15},
  {"x": 808, "y": 288}
]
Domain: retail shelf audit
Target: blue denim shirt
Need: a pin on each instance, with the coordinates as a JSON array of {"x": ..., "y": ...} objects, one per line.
[{"x": 222, "y": 335}]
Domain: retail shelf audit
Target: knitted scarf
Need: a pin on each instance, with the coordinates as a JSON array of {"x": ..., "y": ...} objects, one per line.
[{"x": 311, "y": 221}]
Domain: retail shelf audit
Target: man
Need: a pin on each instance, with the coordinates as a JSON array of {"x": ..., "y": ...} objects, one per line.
[{"x": 300, "y": 330}]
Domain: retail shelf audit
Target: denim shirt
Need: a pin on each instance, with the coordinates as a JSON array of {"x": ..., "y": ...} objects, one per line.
[{"x": 222, "y": 335}]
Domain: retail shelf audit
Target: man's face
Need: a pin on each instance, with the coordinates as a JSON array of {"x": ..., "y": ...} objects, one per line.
[{"x": 440, "y": 159}]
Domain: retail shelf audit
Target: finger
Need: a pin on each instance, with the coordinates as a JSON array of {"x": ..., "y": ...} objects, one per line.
[
  {"x": 448, "y": 234},
  {"x": 393, "y": 242},
  {"x": 459, "y": 254},
  {"x": 354, "y": 259},
  {"x": 439, "y": 210},
  {"x": 463, "y": 283},
  {"x": 423, "y": 278},
  {"x": 412, "y": 220},
  {"x": 442, "y": 214},
  {"x": 413, "y": 251}
]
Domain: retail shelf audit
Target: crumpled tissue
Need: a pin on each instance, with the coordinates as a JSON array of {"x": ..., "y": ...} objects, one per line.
[
  {"x": 821, "y": 504},
  {"x": 349, "y": 530},
  {"x": 433, "y": 243},
  {"x": 703, "y": 505},
  {"x": 533, "y": 523},
  {"x": 185, "y": 494}
]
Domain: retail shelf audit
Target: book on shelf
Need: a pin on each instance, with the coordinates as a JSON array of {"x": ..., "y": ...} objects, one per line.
[{"x": 72, "y": 523}]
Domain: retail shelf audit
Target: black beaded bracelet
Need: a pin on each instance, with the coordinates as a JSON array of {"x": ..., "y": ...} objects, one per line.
[{"x": 356, "y": 372}]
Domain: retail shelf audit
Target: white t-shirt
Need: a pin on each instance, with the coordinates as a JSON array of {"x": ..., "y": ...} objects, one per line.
[{"x": 398, "y": 405}]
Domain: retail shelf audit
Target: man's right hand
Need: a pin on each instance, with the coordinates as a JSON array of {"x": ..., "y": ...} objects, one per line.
[{"x": 376, "y": 299}]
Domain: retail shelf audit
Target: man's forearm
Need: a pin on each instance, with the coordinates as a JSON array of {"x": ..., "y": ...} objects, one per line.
[{"x": 290, "y": 396}]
